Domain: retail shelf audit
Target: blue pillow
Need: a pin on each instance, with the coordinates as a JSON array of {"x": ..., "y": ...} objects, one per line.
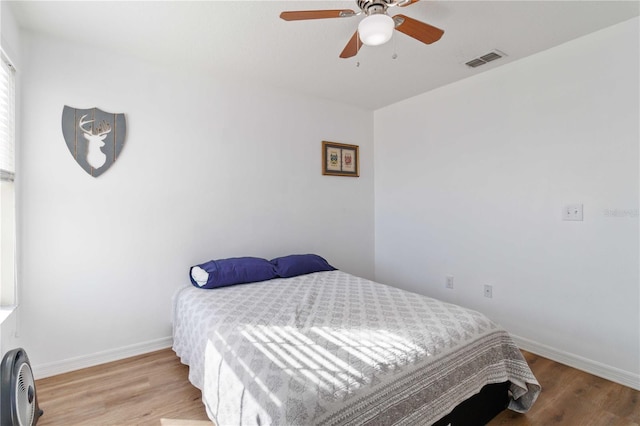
[
  {"x": 225, "y": 272},
  {"x": 299, "y": 264}
]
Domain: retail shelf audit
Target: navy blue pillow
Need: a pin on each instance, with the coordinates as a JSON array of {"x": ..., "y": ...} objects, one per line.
[
  {"x": 299, "y": 264},
  {"x": 225, "y": 272}
]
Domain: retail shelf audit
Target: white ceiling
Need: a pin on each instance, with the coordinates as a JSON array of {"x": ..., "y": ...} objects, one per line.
[{"x": 247, "y": 40}]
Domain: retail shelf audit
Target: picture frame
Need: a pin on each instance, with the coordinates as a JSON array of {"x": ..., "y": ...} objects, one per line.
[{"x": 340, "y": 159}]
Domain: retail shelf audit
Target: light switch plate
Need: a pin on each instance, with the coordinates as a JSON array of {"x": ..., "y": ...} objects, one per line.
[{"x": 572, "y": 212}]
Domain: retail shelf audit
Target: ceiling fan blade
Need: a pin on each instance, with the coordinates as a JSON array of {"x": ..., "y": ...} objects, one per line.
[
  {"x": 407, "y": 3},
  {"x": 419, "y": 30},
  {"x": 316, "y": 14},
  {"x": 351, "y": 49}
]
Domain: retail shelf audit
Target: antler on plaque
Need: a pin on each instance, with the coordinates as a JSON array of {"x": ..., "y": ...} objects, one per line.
[
  {"x": 82, "y": 123},
  {"x": 101, "y": 129}
]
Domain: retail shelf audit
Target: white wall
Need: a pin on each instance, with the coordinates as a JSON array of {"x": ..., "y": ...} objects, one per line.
[
  {"x": 10, "y": 42},
  {"x": 209, "y": 169},
  {"x": 471, "y": 179}
]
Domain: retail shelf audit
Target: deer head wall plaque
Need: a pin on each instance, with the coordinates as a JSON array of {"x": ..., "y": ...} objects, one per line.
[{"x": 94, "y": 137}]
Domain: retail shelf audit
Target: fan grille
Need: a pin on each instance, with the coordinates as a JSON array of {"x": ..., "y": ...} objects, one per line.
[{"x": 25, "y": 400}]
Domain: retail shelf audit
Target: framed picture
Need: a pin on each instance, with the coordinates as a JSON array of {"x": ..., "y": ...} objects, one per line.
[{"x": 340, "y": 159}]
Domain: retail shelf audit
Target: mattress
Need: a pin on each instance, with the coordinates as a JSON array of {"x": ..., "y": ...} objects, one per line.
[{"x": 330, "y": 348}]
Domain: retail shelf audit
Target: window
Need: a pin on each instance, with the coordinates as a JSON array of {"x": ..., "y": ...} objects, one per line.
[{"x": 8, "y": 291}]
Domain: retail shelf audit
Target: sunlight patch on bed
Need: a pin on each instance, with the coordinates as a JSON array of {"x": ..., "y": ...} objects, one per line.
[
  {"x": 297, "y": 355},
  {"x": 249, "y": 371},
  {"x": 314, "y": 357}
]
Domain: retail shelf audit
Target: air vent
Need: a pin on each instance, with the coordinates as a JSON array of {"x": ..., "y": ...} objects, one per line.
[
  {"x": 491, "y": 56},
  {"x": 475, "y": 63}
]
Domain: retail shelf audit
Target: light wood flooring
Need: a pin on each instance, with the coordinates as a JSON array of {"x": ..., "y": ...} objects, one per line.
[{"x": 145, "y": 389}]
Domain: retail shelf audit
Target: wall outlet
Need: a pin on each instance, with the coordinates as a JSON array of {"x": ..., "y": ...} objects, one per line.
[
  {"x": 449, "y": 281},
  {"x": 488, "y": 291},
  {"x": 572, "y": 212}
]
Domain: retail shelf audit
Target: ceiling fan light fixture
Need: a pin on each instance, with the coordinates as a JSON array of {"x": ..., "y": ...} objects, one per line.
[{"x": 375, "y": 30}]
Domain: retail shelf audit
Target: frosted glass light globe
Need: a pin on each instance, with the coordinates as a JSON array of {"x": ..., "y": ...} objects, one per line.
[{"x": 375, "y": 30}]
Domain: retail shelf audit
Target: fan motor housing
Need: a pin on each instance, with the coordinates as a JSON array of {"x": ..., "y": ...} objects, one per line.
[{"x": 371, "y": 7}]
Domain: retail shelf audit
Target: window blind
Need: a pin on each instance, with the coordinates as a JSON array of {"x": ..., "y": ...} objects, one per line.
[
  {"x": 7, "y": 120},
  {"x": 8, "y": 284}
]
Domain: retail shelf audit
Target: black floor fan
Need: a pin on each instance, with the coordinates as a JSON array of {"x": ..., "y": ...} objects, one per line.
[{"x": 18, "y": 402}]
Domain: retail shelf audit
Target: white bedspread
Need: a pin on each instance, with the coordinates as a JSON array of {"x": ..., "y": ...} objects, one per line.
[{"x": 331, "y": 348}]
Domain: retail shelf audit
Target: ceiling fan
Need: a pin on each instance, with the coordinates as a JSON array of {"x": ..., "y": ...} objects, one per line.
[{"x": 377, "y": 27}]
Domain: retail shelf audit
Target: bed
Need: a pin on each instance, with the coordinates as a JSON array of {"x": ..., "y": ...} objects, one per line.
[{"x": 330, "y": 348}]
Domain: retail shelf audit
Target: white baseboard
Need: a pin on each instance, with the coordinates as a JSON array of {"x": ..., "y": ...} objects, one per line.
[
  {"x": 51, "y": 369},
  {"x": 599, "y": 369}
]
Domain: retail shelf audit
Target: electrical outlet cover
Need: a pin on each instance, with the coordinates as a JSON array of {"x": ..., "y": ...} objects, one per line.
[
  {"x": 449, "y": 281},
  {"x": 488, "y": 291}
]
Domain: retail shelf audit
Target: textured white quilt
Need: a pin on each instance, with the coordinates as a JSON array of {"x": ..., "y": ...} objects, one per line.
[{"x": 335, "y": 349}]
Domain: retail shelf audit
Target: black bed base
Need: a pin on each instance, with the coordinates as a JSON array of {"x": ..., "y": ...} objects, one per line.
[{"x": 480, "y": 408}]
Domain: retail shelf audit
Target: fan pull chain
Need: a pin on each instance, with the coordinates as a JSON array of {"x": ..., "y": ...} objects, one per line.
[{"x": 395, "y": 49}]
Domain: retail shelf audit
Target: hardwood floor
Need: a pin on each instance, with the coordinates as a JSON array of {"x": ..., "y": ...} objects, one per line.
[
  {"x": 143, "y": 389},
  {"x": 135, "y": 391},
  {"x": 573, "y": 397}
]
